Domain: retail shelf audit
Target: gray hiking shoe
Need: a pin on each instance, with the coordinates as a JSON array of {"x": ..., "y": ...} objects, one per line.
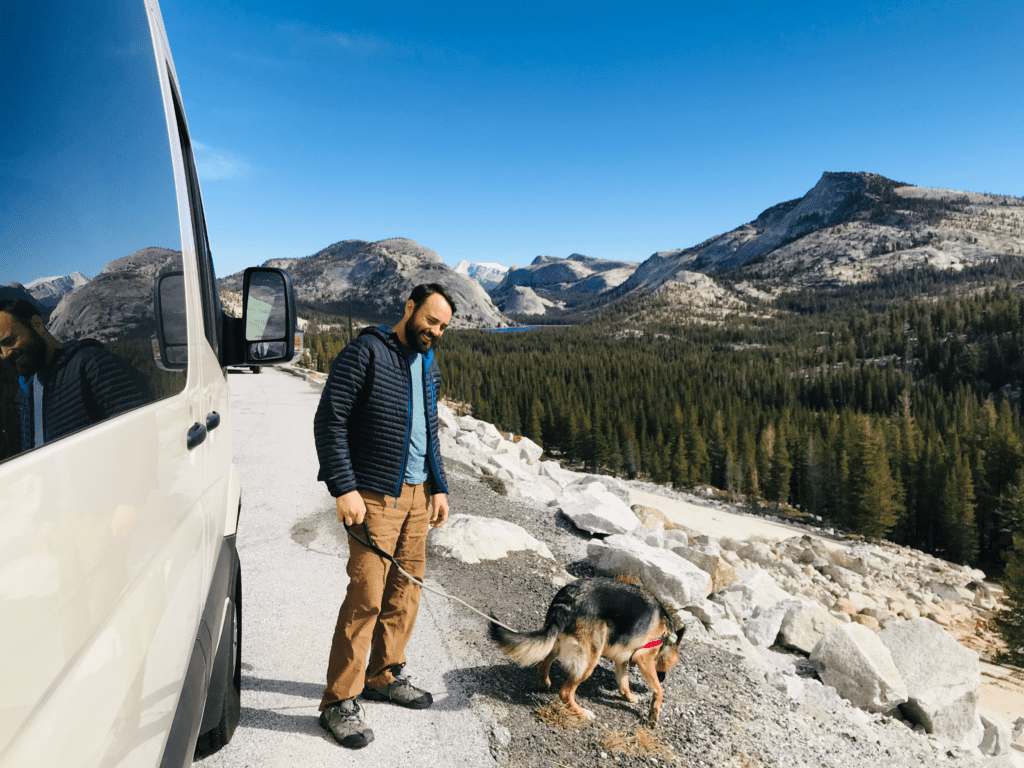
[
  {"x": 400, "y": 692},
  {"x": 345, "y": 721}
]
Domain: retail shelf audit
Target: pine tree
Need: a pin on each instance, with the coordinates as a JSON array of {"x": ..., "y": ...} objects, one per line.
[
  {"x": 777, "y": 489},
  {"x": 680, "y": 465},
  {"x": 957, "y": 509},
  {"x": 533, "y": 428},
  {"x": 1010, "y": 622},
  {"x": 872, "y": 492}
]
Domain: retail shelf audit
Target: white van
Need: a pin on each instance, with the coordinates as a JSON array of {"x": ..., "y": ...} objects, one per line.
[{"x": 120, "y": 586}]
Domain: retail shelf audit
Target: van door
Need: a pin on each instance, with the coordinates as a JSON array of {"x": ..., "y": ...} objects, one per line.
[{"x": 105, "y": 546}]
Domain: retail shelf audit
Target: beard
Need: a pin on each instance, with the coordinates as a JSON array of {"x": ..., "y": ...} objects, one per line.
[
  {"x": 31, "y": 359},
  {"x": 418, "y": 337}
]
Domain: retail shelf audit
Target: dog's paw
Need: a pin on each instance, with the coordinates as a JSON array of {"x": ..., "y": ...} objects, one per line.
[
  {"x": 588, "y": 714},
  {"x": 629, "y": 696},
  {"x": 652, "y": 718}
]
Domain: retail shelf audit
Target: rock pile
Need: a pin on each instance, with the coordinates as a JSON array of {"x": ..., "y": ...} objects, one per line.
[{"x": 878, "y": 623}]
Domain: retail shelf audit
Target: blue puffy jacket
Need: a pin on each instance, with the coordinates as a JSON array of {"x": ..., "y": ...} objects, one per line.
[{"x": 362, "y": 424}]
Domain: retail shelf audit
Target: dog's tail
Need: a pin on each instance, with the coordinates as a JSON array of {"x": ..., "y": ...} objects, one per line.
[{"x": 526, "y": 648}]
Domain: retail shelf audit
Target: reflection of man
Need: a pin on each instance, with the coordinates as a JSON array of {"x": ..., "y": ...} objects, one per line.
[
  {"x": 376, "y": 437},
  {"x": 64, "y": 387}
]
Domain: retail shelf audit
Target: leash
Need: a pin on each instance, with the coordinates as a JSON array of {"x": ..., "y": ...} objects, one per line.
[{"x": 369, "y": 543}]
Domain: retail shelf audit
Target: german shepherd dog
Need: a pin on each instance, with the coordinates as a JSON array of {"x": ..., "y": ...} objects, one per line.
[{"x": 598, "y": 617}]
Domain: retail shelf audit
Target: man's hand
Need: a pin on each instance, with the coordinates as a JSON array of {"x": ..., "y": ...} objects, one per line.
[
  {"x": 438, "y": 509},
  {"x": 351, "y": 508}
]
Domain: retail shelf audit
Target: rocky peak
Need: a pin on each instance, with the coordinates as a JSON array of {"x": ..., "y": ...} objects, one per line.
[
  {"x": 373, "y": 281},
  {"x": 567, "y": 283},
  {"x": 48, "y": 291},
  {"x": 849, "y": 228}
]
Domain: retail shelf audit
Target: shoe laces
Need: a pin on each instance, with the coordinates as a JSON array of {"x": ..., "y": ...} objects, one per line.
[{"x": 349, "y": 709}]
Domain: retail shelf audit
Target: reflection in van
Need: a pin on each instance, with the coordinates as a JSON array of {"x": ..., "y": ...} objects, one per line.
[{"x": 63, "y": 387}]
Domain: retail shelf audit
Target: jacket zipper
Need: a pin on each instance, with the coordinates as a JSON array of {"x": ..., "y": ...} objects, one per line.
[{"x": 408, "y": 432}]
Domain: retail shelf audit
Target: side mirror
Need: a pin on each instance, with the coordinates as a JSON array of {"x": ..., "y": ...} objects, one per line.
[
  {"x": 170, "y": 347},
  {"x": 268, "y": 316}
]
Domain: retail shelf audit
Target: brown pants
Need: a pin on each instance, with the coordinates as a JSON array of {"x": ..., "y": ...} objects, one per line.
[{"x": 380, "y": 606}]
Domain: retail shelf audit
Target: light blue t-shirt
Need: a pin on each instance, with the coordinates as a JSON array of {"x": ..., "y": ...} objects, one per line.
[{"x": 416, "y": 461}]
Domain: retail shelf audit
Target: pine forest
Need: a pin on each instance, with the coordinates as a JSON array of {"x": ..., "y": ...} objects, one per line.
[{"x": 888, "y": 417}]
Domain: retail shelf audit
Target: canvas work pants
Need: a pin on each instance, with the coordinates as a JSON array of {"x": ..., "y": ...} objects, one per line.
[{"x": 380, "y": 606}]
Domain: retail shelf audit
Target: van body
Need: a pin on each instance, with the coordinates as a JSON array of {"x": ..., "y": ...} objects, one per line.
[{"x": 120, "y": 585}]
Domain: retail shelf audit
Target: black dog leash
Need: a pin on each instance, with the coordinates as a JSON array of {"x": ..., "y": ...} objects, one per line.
[{"x": 371, "y": 545}]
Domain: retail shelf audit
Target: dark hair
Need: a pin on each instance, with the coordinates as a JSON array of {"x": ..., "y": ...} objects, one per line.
[
  {"x": 22, "y": 310},
  {"x": 422, "y": 292}
]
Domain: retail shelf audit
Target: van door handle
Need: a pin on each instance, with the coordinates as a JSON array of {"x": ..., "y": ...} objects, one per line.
[
  {"x": 195, "y": 436},
  {"x": 212, "y": 421}
]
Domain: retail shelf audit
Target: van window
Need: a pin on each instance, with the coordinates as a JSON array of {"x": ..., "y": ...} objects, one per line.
[{"x": 90, "y": 222}]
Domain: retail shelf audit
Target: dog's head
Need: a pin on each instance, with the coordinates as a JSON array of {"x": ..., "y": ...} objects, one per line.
[{"x": 668, "y": 654}]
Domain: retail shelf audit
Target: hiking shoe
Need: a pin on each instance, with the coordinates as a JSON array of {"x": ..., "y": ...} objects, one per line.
[
  {"x": 345, "y": 721},
  {"x": 401, "y": 692}
]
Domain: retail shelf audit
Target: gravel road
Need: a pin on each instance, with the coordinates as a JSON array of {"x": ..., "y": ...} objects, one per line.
[
  {"x": 292, "y": 587},
  {"x": 717, "y": 711}
]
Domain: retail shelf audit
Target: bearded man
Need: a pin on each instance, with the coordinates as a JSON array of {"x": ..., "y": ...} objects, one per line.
[
  {"x": 376, "y": 439},
  {"x": 63, "y": 386}
]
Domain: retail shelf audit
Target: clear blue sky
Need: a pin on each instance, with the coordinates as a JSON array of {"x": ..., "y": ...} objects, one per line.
[{"x": 498, "y": 131}]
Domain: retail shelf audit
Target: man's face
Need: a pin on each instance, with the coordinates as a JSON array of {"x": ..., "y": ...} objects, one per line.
[
  {"x": 427, "y": 323},
  {"x": 21, "y": 345}
]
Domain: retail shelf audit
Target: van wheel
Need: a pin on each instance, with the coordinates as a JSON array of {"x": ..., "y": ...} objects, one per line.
[
  {"x": 231, "y": 667},
  {"x": 256, "y": 368}
]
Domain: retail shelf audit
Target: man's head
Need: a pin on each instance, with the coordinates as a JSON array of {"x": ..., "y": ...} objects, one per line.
[
  {"x": 24, "y": 341},
  {"x": 427, "y": 313}
]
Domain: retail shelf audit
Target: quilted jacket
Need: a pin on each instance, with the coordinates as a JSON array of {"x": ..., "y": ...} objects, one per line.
[
  {"x": 83, "y": 385},
  {"x": 362, "y": 424}
]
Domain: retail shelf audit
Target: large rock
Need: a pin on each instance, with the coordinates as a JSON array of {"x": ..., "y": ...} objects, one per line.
[
  {"x": 611, "y": 484},
  {"x": 709, "y": 559},
  {"x": 470, "y": 539},
  {"x": 677, "y": 582},
  {"x": 593, "y": 508},
  {"x": 804, "y": 625},
  {"x": 852, "y": 659},
  {"x": 553, "y": 470},
  {"x": 942, "y": 679},
  {"x": 762, "y": 628},
  {"x": 997, "y": 739},
  {"x": 753, "y": 589}
]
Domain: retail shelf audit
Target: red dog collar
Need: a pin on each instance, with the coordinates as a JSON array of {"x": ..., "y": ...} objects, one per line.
[{"x": 660, "y": 640}]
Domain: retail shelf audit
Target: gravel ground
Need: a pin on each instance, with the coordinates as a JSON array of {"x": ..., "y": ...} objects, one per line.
[{"x": 717, "y": 710}]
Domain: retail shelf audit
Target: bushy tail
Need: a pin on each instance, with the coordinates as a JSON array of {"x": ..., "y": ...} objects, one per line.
[{"x": 526, "y": 648}]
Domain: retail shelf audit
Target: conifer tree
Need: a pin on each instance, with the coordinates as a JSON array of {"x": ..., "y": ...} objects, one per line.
[
  {"x": 699, "y": 469},
  {"x": 1010, "y": 622},
  {"x": 957, "y": 509},
  {"x": 533, "y": 426},
  {"x": 680, "y": 465},
  {"x": 718, "y": 453},
  {"x": 872, "y": 492},
  {"x": 777, "y": 489}
]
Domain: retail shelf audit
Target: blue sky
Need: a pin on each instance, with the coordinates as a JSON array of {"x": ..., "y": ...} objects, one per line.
[{"x": 499, "y": 131}]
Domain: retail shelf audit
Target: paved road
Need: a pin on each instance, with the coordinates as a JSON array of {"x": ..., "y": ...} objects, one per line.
[{"x": 293, "y": 566}]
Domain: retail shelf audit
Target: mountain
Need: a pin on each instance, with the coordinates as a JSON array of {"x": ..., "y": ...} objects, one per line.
[
  {"x": 488, "y": 275},
  {"x": 118, "y": 302},
  {"x": 48, "y": 291},
  {"x": 551, "y": 282},
  {"x": 373, "y": 282},
  {"x": 850, "y": 228}
]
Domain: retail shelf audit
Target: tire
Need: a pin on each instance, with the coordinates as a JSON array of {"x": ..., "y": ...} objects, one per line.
[
  {"x": 230, "y": 667},
  {"x": 256, "y": 368}
]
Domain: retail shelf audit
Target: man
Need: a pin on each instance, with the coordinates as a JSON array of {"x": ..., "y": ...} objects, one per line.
[
  {"x": 376, "y": 438},
  {"x": 63, "y": 387}
]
